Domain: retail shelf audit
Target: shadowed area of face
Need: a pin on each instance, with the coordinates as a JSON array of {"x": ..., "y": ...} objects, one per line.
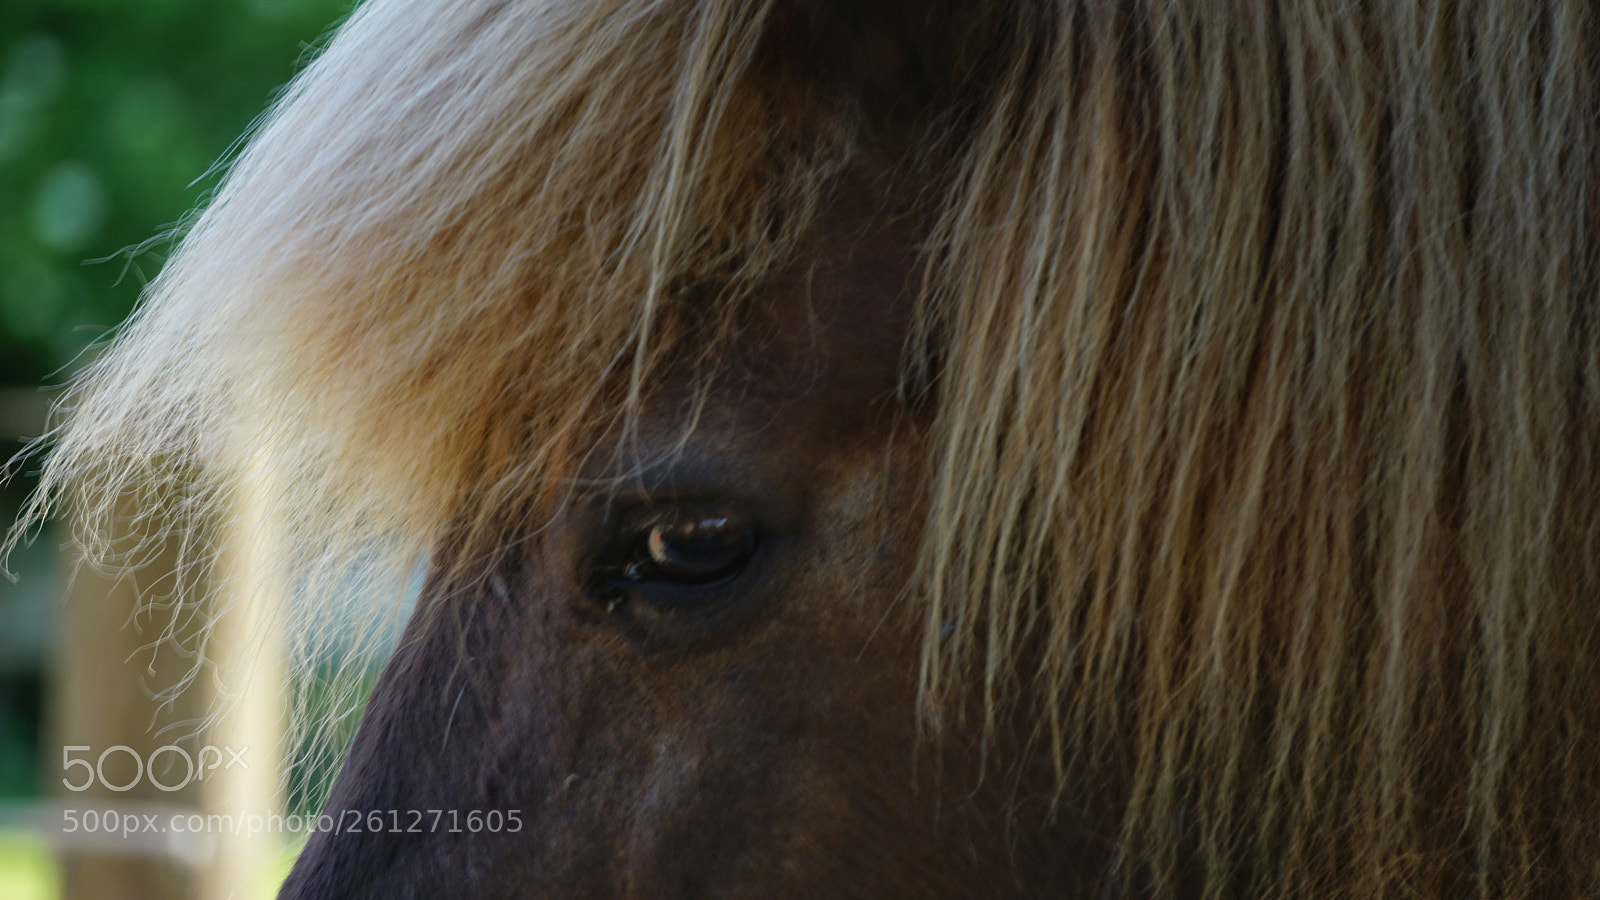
[{"x": 756, "y": 736}]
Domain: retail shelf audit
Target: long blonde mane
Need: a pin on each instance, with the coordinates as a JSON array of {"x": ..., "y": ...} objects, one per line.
[{"x": 1265, "y": 350}]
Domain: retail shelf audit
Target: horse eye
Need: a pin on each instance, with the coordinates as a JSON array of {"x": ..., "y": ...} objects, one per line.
[{"x": 692, "y": 547}]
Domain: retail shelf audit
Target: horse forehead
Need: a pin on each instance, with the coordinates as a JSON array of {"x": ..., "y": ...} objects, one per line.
[
  {"x": 813, "y": 368},
  {"x": 834, "y": 323}
]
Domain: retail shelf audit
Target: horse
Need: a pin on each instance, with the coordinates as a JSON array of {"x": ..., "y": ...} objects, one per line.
[{"x": 899, "y": 449}]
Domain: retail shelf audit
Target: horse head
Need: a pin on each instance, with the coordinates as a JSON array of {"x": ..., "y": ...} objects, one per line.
[{"x": 907, "y": 450}]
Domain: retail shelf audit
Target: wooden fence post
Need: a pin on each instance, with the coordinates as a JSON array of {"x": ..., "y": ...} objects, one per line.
[{"x": 124, "y": 646}]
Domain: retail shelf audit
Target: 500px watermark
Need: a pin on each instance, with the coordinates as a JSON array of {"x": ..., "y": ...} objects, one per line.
[
  {"x": 349, "y": 821},
  {"x": 82, "y": 774}
]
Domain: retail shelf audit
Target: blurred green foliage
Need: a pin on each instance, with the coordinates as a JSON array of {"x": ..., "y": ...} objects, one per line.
[{"x": 112, "y": 114}]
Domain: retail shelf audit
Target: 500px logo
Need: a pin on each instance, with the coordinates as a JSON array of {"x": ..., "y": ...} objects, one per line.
[{"x": 195, "y": 768}]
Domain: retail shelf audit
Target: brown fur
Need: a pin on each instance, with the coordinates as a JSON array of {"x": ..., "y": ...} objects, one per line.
[{"x": 1258, "y": 344}]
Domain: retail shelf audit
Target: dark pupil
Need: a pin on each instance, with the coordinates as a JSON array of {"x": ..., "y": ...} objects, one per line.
[{"x": 698, "y": 549}]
